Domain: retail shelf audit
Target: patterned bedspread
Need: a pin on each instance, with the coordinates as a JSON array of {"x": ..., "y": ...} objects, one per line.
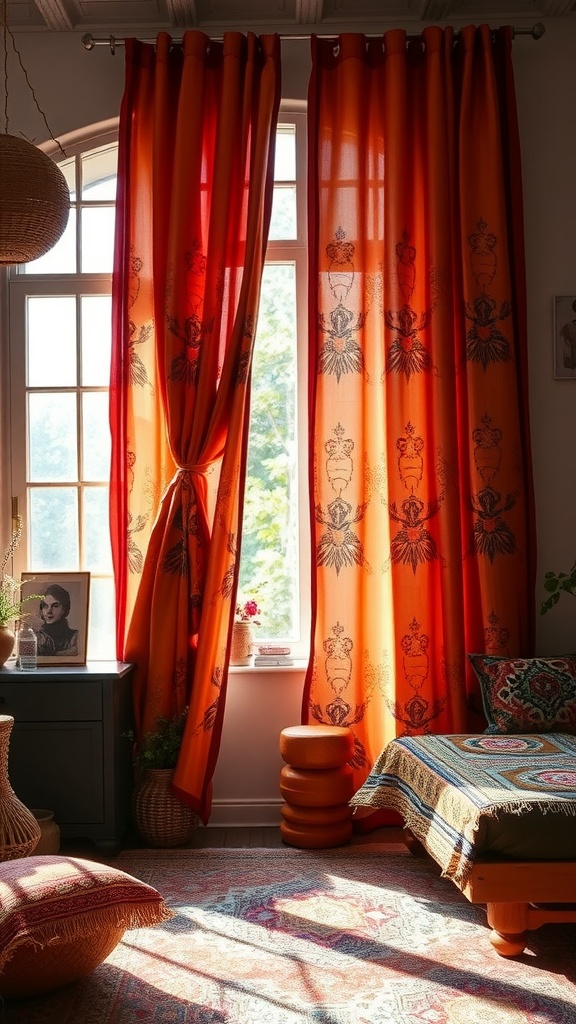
[{"x": 450, "y": 789}]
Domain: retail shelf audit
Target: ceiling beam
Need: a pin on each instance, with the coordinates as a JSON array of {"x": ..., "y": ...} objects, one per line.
[
  {"x": 557, "y": 7},
  {"x": 309, "y": 12},
  {"x": 436, "y": 10},
  {"x": 55, "y": 15},
  {"x": 183, "y": 13}
]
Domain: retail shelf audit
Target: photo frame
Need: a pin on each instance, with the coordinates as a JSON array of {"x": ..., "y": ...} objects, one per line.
[
  {"x": 565, "y": 337},
  {"x": 60, "y": 620}
]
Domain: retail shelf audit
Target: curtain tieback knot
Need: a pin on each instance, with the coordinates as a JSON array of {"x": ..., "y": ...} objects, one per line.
[{"x": 197, "y": 470}]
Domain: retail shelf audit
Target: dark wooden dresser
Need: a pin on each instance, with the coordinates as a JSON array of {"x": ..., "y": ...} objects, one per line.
[{"x": 67, "y": 751}]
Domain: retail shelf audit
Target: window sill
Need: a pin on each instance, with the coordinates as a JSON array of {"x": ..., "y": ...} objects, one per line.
[{"x": 300, "y": 665}]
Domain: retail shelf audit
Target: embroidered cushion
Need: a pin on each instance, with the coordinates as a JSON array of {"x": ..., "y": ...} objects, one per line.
[
  {"x": 524, "y": 695},
  {"x": 62, "y": 916}
]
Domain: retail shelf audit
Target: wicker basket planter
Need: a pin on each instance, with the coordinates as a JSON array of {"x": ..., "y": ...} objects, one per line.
[{"x": 161, "y": 819}]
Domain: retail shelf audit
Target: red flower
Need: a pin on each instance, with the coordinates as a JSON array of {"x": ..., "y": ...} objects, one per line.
[{"x": 248, "y": 611}]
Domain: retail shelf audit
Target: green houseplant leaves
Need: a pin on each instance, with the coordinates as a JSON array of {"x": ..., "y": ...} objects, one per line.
[{"x": 557, "y": 584}]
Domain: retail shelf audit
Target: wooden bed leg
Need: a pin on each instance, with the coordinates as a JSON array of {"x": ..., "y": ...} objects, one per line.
[
  {"x": 413, "y": 844},
  {"x": 508, "y": 922}
]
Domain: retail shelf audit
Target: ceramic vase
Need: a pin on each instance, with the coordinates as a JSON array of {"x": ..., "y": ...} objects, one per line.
[
  {"x": 242, "y": 644},
  {"x": 19, "y": 830},
  {"x": 161, "y": 819},
  {"x": 49, "y": 842},
  {"x": 6, "y": 644}
]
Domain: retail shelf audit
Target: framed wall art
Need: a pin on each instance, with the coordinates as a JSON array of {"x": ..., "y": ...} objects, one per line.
[
  {"x": 565, "y": 337},
  {"x": 60, "y": 617}
]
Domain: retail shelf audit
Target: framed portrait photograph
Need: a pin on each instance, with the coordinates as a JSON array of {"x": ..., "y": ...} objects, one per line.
[
  {"x": 565, "y": 337},
  {"x": 59, "y": 615}
]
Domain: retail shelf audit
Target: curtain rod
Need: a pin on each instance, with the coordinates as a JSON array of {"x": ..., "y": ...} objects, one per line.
[{"x": 89, "y": 41}]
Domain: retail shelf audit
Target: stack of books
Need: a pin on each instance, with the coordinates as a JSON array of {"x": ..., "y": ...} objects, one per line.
[{"x": 269, "y": 655}]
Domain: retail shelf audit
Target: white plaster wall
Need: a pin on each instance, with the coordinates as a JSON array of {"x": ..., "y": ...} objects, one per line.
[
  {"x": 77, "y": 88},
  {"x": 546, "y": 89}
]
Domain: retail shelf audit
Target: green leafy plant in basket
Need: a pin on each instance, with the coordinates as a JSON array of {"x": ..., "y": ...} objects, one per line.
[
  {"x": 160, "y": 817},
  {"x": 556, "y": 584},
  {"x": 159, "y": 749}
]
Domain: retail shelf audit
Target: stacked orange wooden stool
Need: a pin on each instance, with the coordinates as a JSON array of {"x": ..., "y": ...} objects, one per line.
[{"x": 316, "y": 784}]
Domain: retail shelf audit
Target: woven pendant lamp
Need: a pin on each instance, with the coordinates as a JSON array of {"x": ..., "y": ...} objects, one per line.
[
  {"x": 34, "y": 201},
  {"x": 34, "y": 195}
]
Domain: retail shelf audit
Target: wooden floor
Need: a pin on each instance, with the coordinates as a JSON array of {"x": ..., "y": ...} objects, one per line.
[
  {"x": 213, "y": 837},
  {"x": 270, "y": 837}
]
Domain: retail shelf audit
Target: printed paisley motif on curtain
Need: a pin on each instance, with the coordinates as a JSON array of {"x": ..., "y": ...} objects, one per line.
[
  {"x": 485, "y": 343},
  {"x": 417, "y": 713},
  {"x": 136, "y": 522},
  {"x": 487, "y": 449},
  {"x": 193, "y": 330},
  {"x": 410, "y": 461},
  {"x": 341, "y": 266},
  {"x": 338, "y": 667},
  {"x": 407, "y": 354},
  {"x": 175, "y": 560},
  {"x": 341, "y": 354},
  {"x": 496, "y": 636},
  {"x": 139, "y": 335},
  {"x": 413, "y": 545},
  {"x": 339, "y": 464},
  {"x": 339, "y": 546},
  {"x": 246, "y": 354},
  {"x": 491, "y": 534}
]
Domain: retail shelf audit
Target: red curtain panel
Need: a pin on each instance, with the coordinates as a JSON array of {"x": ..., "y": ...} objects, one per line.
[{"x": 195, "y": 179}]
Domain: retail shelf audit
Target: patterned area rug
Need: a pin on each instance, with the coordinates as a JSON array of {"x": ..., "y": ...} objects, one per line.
[{"x": 359, "y": 935}]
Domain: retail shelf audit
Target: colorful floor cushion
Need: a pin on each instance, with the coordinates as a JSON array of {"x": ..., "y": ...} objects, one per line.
[{"x": 62, "y": 916}]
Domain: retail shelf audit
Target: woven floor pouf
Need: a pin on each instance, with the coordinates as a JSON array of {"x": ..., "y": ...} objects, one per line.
[{"x": 316, "y": 784}]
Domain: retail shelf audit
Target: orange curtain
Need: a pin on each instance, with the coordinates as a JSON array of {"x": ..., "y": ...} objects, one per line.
[
  {"x": 421, "y": 482},
  {"x": 195, "y": 181}
]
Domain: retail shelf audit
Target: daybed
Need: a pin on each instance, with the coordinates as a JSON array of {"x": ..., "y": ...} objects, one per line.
[{"x": 497, "y": 813}]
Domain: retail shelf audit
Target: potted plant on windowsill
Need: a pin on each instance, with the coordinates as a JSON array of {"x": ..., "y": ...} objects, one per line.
[
  {"x": 557, "y": 584},
  {"x": 160, "y": 817},
  {"x": 245, "y": 617}
]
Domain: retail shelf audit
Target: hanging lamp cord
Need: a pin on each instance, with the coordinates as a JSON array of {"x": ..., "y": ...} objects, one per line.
[{"x": 7, "y": 32}]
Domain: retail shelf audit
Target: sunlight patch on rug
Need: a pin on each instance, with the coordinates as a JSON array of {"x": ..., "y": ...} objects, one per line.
[{"x": 358, "y": 935}]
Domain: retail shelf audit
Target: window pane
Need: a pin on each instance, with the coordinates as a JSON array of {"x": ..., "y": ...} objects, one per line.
[
  {"x": 52, "y": 439},
  {"x": 285, "y": 157},
  {"x": 283, "y": 220},
  {"x": 99, "y": 173},
  {"x": 53, "y": 528},
  {"x": 61, "y": 259},
  {"x": 101, "y": 620},
  {"x": 97, "y": 548},
  {"x": 270, "y": 548},
  {"x": 96, "y": 314},
  {"x": 98, "y": 240},
  {"x": 95, "y": 436},
  {"x": 51, "y": 334}
]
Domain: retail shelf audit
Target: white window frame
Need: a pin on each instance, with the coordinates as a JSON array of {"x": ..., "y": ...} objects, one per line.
[{"x": 20, "y": 286}]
